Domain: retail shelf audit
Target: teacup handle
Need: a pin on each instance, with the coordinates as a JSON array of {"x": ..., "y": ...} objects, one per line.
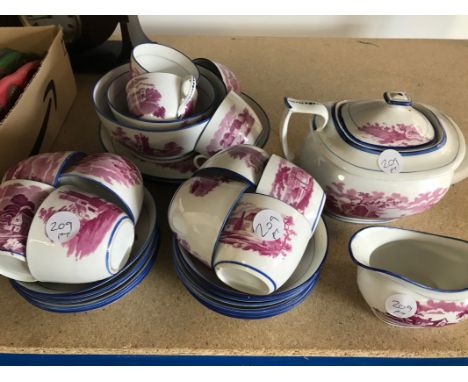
[
  {"x": 188, "y": 90},
  {"x": 198, "y": 158},
  {"x": 304, "y": 107}
]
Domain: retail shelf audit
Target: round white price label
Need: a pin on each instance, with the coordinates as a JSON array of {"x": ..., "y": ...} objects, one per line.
[
  {"x": 62, "y": 226},
  {"x": 269, "y": 225},
  {"x": 390, "y": 162},
  {"x": 401, "y": 305}
]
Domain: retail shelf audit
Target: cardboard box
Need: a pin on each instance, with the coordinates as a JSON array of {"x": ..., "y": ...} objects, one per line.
[{"x": 31, "y": 126}]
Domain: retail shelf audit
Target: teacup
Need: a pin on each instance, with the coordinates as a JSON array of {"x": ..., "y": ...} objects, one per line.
[
  {"x": 260, "y": 245},
  {"x": 291, "y": 184},
  {"x": 19, "y": 201},
  {"x": 152, "y": 57},
  {"x": 44, "y": 168},
  {"x": 198, "y": 211},
  {"x": 244, "y": 161},
  {"x": 222, "y": 72},
  {"x": 77, "y": 237},
  {"x": 161, "y": 96},
  {"x": 117, "y": 100},
  {"x": 410, "y": 278},
  {"x": 233, "y": 123},
  {"x": 111, "y": 176}
]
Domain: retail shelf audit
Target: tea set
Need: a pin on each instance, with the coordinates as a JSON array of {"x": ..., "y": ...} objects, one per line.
[{"x": 78, "y": 231}]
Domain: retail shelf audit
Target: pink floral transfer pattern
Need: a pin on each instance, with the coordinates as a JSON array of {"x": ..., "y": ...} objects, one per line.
[
  {"x": 139, "y": 144},
  {"x": 43, "y": 168},
  {"x": 18, "y": 204},
  {"x": 239, "y": 233},
  {"x": 292, "y": 185},
  {"x": 430, "y": 314},
  {"x": 252, "y": 158},
  {"x": 203, "y": 186},
  {"x": 144, "y": 100},
  {"x": 96, "y": 215},
  {"x": 110, "y": 168},
  {"x": 233, "y": 130},
  {"x": 229, "y": 78},
  {"x": 376, "y": 204},
  {"x": 399, "y": 134}
]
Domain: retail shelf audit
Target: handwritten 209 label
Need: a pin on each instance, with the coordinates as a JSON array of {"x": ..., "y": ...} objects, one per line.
[
  {"x": 390, "y": 162},
  {"x": 401, "y": 305},
  {"x": 62, "y": 226},
  {"x": 268, "y": 225}
]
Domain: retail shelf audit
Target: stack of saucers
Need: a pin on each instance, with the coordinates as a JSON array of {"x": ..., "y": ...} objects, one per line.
[
  {"x": 69, "y": 298},
  {"x": 162, "y": 110},
  {"x": 203, "y": 284},
  {"x": 248, "y": 238}
]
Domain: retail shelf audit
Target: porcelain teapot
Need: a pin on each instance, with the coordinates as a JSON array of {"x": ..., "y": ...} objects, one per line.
[{"x": 378, "y": 160}]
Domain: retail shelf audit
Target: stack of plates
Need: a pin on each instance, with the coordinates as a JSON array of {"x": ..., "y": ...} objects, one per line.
[
  {"x": 69, "y": 298},
  {"x": 203, "y": 284}
]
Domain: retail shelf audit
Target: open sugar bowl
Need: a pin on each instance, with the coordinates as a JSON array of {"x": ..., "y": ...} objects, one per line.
[{"x": 411, "y": 278}]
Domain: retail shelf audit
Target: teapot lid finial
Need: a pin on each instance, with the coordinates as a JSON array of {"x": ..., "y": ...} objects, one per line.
[{"x": 397, "y": 98}]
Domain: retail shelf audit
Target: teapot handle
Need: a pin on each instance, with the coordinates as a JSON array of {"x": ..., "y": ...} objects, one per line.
[{"x": 304, "y": 107}]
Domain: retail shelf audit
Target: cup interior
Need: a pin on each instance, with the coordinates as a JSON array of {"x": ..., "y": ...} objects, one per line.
[
  {"x": 152, "y": 57},
  {"x": 432, "y": 261}
]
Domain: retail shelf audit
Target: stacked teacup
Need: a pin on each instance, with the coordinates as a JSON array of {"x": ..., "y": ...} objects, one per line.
[
  {"x": 246, "y": 220},
  {"x": 162, "y": 109},
  {"x": 70, "y": 220}
]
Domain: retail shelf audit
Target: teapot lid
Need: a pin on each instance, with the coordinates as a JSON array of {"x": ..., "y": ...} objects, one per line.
[
  {"x": 426, "y": 138},
  {"x": 392, "y": 122}
]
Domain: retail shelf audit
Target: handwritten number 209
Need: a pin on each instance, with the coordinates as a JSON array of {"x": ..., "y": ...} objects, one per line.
[{"x": 259, "y": 229}]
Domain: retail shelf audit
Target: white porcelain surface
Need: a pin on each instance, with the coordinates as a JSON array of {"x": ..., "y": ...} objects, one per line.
[
  {"x": 99, "y": 249},
  {"x": 349, "y": 171},
  {"x": 152, "y": 57},
  {"x": 161, "y": 96},
  {"x": 111, "y": 176},
  {"x": 246, "y": 261},
  {"x": 198, "y": 211},
  {"x": 234, "y": 122},
  {"x": 176, "y": 170},
  {"x": 19, "y": 201},
  {"x": 410, "y": 278},
  {"x": 117, "y": 100},
  {"x": 246, "y": 161},
  {"x": 289, "y": 183}
]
